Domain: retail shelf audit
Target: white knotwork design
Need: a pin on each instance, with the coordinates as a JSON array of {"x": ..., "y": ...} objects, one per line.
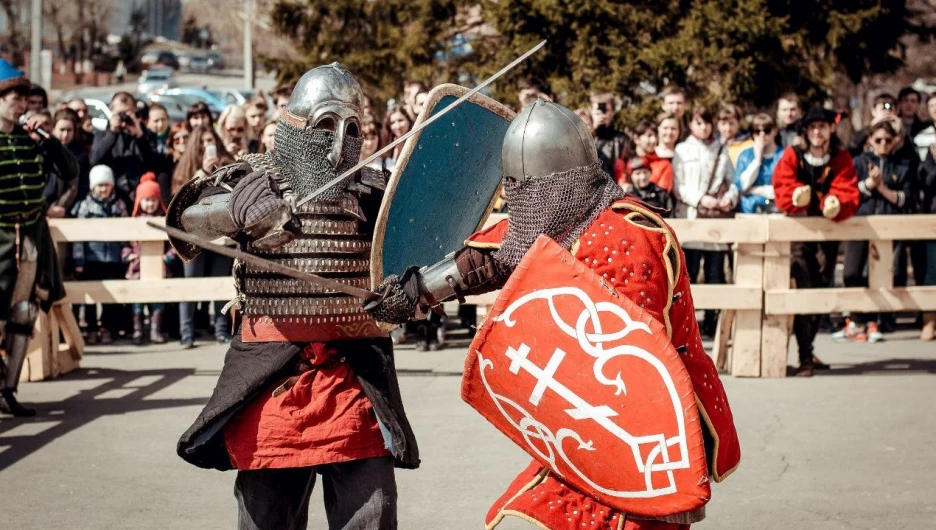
[{"x": 594, "y": 344}]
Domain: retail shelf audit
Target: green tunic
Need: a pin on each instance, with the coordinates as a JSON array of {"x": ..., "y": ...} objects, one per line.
[{"x": 23, "y": 169}]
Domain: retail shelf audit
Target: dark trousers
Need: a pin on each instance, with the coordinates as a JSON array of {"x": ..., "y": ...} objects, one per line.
[
  {"x": 812, "y": 267},
  {"x": 712, "y": 263},
  {"x": 930, "y": 277},
  {"x": 113, "y": 316},
  {"x": 918, "y": 257},
  {"x": 359, "y": 495},
  {"x": 206, "y": 264}
]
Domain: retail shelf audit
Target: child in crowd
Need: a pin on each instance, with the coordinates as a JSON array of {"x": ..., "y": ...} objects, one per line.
[
  {"x": 148, "y": 204},
  {"x": 99, "y": 260},
  {"x": 647, "y": 191}
]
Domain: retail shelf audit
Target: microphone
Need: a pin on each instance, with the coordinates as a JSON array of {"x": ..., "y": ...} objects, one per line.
[{"x": 39, "y": 130}]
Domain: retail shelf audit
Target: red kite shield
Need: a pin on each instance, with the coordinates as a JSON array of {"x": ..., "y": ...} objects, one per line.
[{"x": 589, "y": 385}]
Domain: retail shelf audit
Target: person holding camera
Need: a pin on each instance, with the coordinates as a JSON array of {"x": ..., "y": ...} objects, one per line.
[{"x": 124, "y": 146}]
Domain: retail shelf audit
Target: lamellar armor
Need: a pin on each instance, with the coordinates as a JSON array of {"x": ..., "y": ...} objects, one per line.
[{"x": 317, "y": 139}]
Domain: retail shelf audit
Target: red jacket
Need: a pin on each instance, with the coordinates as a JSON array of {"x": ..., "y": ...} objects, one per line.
[
  {"x": 661, "y": 171},
  {"x": 844, "y": 184}
]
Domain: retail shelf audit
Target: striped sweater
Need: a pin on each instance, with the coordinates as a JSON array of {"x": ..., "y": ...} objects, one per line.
[{"x": 22, "y": 179}]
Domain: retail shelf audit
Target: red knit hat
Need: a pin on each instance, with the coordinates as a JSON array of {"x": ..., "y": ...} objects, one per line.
[{"x": 148, "y": 189}]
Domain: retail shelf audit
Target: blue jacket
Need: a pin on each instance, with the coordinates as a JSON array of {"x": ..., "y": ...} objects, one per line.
[
  {"x": 98, "y": 251},
  {"x": 755, "y": 203}
]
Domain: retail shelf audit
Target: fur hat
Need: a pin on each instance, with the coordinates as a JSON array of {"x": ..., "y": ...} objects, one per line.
[
  {"x": 100, "y": 174},
  {"x": 11, "y": 78}
]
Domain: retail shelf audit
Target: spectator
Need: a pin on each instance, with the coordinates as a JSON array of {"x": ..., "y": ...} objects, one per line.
[
  {"x": 178, "y": 138},
  {"x": 199, "y": 114},
  {"x": 280, "y": 99},
  {"x": 255, "y": 111},
  {"x": 419, "y": 101},
  {"x": 158, "y": 123},
  {"x": 673, "y": 101},
  {"x": 268, "y": 136},
  {"x": 204, "y": 153},
  {"x": 396, "y": 124},
  {"x": 529, "y": 89},
  {"x": 410, "y": 89},
  {"x": 148, "y": 204},
  {"x": 367, "y": 111},
  {"x": 644, "y": 148},
  {"x": 120, "y": 71},
  {"x": 100, "y": 260},
  {"x": 235, "y": 132},
  {"x": 754, "y": 172},
  {"x": 123, "y": 146},
  {"x": 65, "y": 128},
  {"x": 669, "y": 131},
  {"x": 927, "y": 181},
  {"x": 908, "y": 108},
  {"x": 887, "y": 183},
  {"x": 730, "y": 133},
  {"x": 789, "y": 112},
  {"x": 37, "y": 100},
  {"x": 59, "y": 193},
  {"x": 704, "y": 186},
  {"x": 643, "y": 187},
  {"x": 585, "y": 114},
  {"x": 609, "y": 141},
  {"x": 927, "y": 137},
  {"x": 885, "y": 106},
  {"x": 817, "y": 180},
  {"x": 370, "y": 135},
  {"x": 81, "y": 108}
]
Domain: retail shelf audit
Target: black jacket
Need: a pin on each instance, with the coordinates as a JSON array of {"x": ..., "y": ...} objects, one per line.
[
  {"x": 927, "y": 183},
  {"x": 127, "y": 156},
  {"x": 656, "y": 197},
  {"x": 899, "y": 173}
]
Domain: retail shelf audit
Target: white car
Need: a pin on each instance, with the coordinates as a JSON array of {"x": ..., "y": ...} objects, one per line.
[{"x": 154, "y": 79}]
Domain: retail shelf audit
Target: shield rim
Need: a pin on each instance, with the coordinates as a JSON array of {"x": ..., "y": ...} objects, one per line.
[{"x": 435, "y": 95}]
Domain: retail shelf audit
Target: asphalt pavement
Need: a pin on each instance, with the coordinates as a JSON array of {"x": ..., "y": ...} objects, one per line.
[{"x": 852, "y": 448}]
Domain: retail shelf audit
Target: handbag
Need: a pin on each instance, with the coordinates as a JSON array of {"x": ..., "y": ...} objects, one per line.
[{"x": 716, "y": 213}]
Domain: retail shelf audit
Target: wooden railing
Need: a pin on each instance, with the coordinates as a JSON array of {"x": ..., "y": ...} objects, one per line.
[{"x": 754, "y": 327}]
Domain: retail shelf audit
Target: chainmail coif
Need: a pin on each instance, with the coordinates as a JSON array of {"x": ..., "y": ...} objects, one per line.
[
  {"x": 559, "y": 205},
  {"x": 301, "y": 157}
]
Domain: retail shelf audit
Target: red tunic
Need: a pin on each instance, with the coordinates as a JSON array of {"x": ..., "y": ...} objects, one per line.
[
  {"x": 637, "y": 252},
  {"x": 325, "y": 418},
  {"x": 844, "y": 184}
]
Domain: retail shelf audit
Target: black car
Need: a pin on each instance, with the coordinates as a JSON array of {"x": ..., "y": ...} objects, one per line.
[{"x": 167, "y": 58}]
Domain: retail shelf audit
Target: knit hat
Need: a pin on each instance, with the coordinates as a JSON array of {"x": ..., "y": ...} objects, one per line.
[
  {"x": 148, "y": 189},
  {"x": 11, "y": 78},
  {"x": 100, "y": 174}
]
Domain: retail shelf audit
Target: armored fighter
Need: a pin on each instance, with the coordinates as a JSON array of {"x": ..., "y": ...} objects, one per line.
[
  {"x": 30, "y": 278},
  {"x": 308, "y": 386},
  {"x": 591, "y": 358}
]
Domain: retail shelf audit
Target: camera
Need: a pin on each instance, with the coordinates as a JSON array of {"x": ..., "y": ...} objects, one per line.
[
  {"x": 603, "y": 107},
  {"x": 125, "y": 119}
]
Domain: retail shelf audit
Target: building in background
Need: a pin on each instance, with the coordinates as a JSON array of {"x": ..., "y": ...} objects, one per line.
[{"x": 163, "y": 18}]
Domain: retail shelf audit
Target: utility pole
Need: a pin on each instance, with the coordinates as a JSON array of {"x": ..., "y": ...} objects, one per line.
[
  {"x": 248, "y": 45},
  {"x": 35, "y": 47}
]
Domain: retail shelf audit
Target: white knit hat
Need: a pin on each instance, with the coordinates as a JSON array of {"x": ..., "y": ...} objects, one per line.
[{"x": 101, "y": 175}]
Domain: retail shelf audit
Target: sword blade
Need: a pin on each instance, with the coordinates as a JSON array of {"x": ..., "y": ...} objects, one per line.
[
  {"x": 421, "y": 126},
  {"x": 272, "y": 266}
]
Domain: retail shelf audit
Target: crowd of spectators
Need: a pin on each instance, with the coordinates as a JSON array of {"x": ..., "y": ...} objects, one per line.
[
  {"x": 695, "y": 161},
  {"x": 692, "y": 161}
]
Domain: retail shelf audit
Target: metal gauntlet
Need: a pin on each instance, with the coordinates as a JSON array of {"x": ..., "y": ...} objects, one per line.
[
  {"x": 210, "y": 218},
  {"x": 441, "y": 282}
]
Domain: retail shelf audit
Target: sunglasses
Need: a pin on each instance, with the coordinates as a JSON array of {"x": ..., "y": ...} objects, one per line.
[
  {"x": 881, "y": 141},
  {"x": 761, "y": 131},
  {"x": 234, "y": 129},
  {"x": 180, "y": 139}
]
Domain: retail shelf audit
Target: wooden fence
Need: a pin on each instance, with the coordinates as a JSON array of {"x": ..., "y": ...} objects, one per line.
[{"x": 754, "y": 327}]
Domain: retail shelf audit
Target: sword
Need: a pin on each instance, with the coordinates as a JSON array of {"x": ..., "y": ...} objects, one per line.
[
  {"x": 278, "y": 268},
  {"x": 421, "y": 126}
]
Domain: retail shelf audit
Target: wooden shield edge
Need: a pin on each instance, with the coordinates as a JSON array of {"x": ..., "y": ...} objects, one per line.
[{"x": 435, "y": 95}]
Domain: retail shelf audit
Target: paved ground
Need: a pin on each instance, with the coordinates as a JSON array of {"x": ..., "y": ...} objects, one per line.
[{"x": 851, "y": 449}]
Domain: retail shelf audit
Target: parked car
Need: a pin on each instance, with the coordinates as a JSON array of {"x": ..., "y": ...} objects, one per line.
[
  {"x": 100, "y": 113},
  {"x": 164, "y": 58},
  {"x": 235, "y": 96},
  {"x": 155, "y": 79},
  {"x": 215, "y": 61},
  {"x": 198, "y": 64},
  {"x": 193, "y": 95},
  {"x": 174, "y": 107}
]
